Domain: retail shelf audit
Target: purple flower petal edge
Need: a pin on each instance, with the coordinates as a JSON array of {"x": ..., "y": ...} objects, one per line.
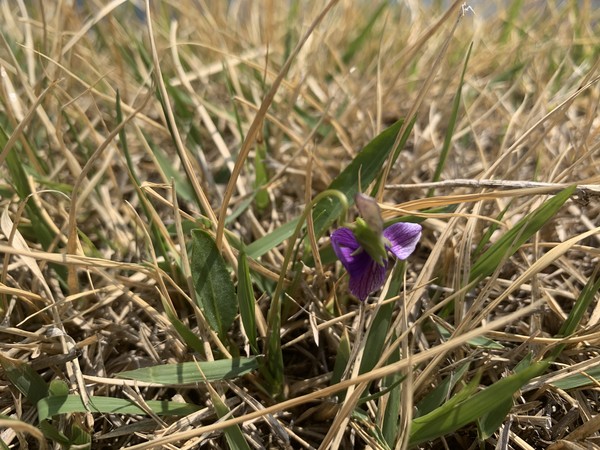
[
  {"x": 366, "y": 275},
  {"x": 403, "y": 237}
]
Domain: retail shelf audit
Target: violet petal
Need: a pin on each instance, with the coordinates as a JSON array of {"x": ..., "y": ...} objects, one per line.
[
  {"x": 366, "y": 275},
  {"x": 404, "y": 237},
  {"x": 369, "y": 278}
]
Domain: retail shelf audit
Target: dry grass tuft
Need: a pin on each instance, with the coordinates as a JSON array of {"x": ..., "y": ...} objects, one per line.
[{"x": 124, "y": 128}]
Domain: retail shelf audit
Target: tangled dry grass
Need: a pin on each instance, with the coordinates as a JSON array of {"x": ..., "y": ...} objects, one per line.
[{"x": 122, "y": 126}]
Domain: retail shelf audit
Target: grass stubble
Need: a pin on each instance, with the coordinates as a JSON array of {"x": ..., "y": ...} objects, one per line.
[{"x": 125, "y": 126}]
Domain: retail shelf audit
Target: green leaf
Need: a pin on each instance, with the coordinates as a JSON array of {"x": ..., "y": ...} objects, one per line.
[
  {"x": 370, "y": 428},
  {"x": 480, "y": 341},
  {"x": 58, "y": 387},
  {"x": 586, "y": 297},
  {"x": 215, "y": 292},
  {"x": 362, "y": 37},
  {"x": 188, "y": 336},
  {"x": 361, "y": 172},
  {"x": 390, "y": 426},
  {"x": 519, "y": 234},
  {"x": 454, "y": 415},
  {"x": 80, "y": 438},
  {"x": 193, "y": 372},
  {"x": 341, "y": 360},
  {"x": 245, "y": 295},
  {"x": 579, "y": 380},
  {"x": 233, "y": 434},
  {"x": 379, "y": 328},
  {"x": 182, "y": 184},
  {"x": 489, "y": 422},
  {"x": 451, "y": 124},
  {"x": 441, "y": 392},
  {"x": 52, "y": 406},
  {"x": 261, "y": 177},
  {"x": 24, "y": 378},
  {"x": 53, "y": 434}
]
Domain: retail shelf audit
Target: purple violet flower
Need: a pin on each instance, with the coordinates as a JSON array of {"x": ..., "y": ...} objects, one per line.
[{"x": 366, "y": 274}]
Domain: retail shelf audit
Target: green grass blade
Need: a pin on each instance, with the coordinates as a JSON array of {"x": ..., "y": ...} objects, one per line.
[
  {"x": 188, "y": 336},
  {"x": 519, "y": 234},
  {"x": 489, "y": 423},
  {"x": 579, "y": 380},
  {"x": 480, "y": 341},
  {"x": 485, "y": 239},
  {"x": 233, "y": 434},
  {"x": 266, "y": 243},
  {"x": 390, "y": 426},
  {"x": 451, "y": 124},
  {"x": 355, "y": 45},
  {"x": 341, "y": 360},
  {"x": 453, "y": 416},
  {"x": 441, "y": 392},
  {"x": 245, "y": 295},
  {"x": 381, "y": 324},
  {"x": 214, "y": 289},
  {"x": 193, "y": 372},
  {"x": 261, "y": 175},
  {"x": 361, "y": 171},
  {"x": 52, "y": 406},
  {"x": 378, "y": 331},
  {"x": 586, "y": 297},
  {"x": 182, "y": 184},
  {"x": 24, "y": 378},
  {"x": 514, "y": 10},
  {"x": 53, "y": 434},
  {"x": 371, "y": 429},
  {"x": 584, "y": 300}
]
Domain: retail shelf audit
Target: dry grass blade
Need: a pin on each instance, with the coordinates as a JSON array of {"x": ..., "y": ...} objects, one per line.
[{"x": 126, "y": 127}]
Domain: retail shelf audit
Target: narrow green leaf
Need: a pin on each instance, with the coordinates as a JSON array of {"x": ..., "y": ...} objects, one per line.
[
  {"x": 52, "y": 406},
  {"x": 362, "y": 37},
  {"x": 182, "y": 184},
  {"x": 215, "y": 292},
  {"x": 489, "y": 422},
  {"x": 245, "y": 295},
  {"x": 381, "y": 323},
  {"x": 341, "y": 359},
  {"x": 451, "y": 124},
  {"x": 261, "y": 177},
  {"x": 233, "y": 434},
  {"x": 80, "y": 438},
  {"x": 390, "y": 426},
  {"x": 485, "y": 239},
  {"x": 579, "y": 380},
  {"x": 441, "y": 392},
  {"x": 370, "y": 428},
  {"x": 586, "y": 297},
  {"x": 453, "y": 416},
  {"x": 193, "y": 372},
  {"x": 188, "y": 336},
  {"x": 480, "y": 341},
  {"x": 361, "y": 171},
  {"x": 53, "y": 434},
  {"x": 519, "y": 234},
  {"x": 24, "y": 378},
  {"x": 268, "y": 242}
]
